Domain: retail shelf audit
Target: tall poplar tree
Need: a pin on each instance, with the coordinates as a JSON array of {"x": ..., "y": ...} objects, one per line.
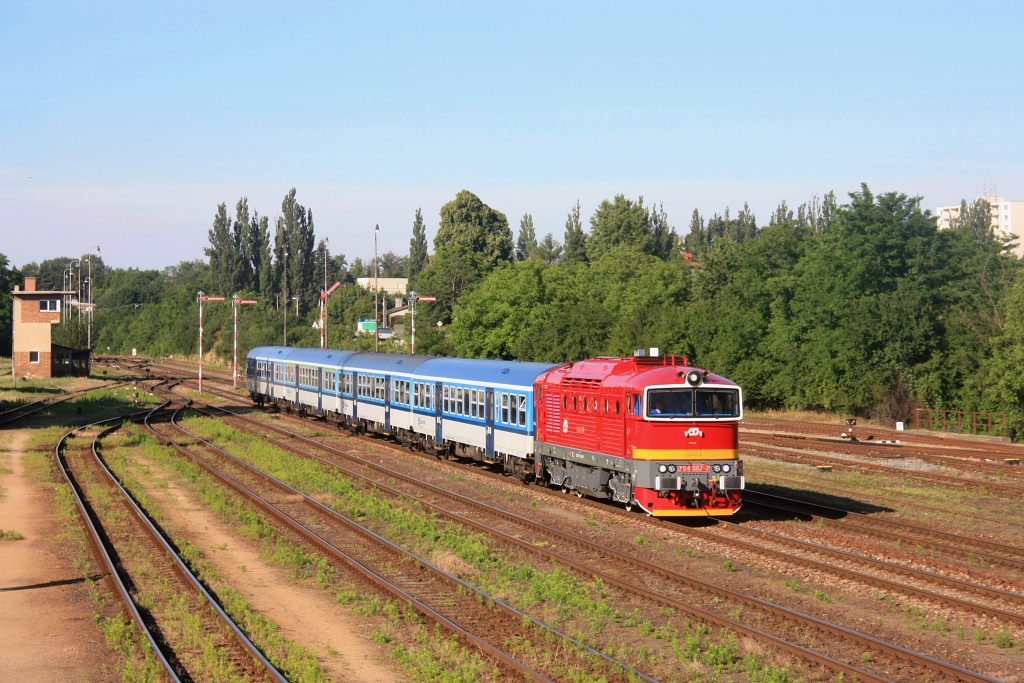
[
  {"x": 225, "y": 252},
  {"x": 526, "y": 243},
  {"x": 418, "y": 246},
  {"x": 575, "y": 250}
]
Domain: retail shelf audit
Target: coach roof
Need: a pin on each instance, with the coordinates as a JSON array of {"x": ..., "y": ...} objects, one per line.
[
  {"x": 384, "y": 362},
  {"x": 490, "y": 371},
  {"x": 292, "y": 354}
]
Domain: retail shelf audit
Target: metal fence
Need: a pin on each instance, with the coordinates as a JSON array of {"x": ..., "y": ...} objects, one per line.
[{"x": 961, "y": 422}]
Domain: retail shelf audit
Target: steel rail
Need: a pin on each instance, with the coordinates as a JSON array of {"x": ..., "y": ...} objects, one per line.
[
  {"x": 26, "y": 409},
  {"x": 995, "y": 552},
  {"x": 834, "y": 490},
  {"x": 100, "y": 548},
  {"x": 783, "y": 612},
  {"x": 360, "y": 567},
  {"x": 869, "y": 449},
  {"x": 869, "y": 579},
  {"x": 782, "y": 453},
  {"x": 179, "y": 565}
]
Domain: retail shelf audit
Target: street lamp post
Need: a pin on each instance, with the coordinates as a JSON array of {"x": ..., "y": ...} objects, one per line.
[
  {"x": 323, "y": 301},
  {"x": 376, "y": 291},
  {"x": 89, "y": 337},
  {"x": 285, "y": 297}
]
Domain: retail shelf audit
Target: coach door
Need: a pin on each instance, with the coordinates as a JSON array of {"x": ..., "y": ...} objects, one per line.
[
  {"x": 320, "y": 389},
  {"x": 355, "y": 397},
  {"x": 438, "y": 410},
  {"x": 489, "y": 413},
  {"x": 387, "y": 403}
]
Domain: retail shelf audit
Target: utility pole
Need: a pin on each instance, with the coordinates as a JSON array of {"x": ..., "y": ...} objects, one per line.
[
  {"x": 236, "y": 302},
  {"x": 323, "y": 302},
  {"x": 89, "y": 334},
  {"x": 376, "y": 291},
  {"x": 285, "y": 292}
]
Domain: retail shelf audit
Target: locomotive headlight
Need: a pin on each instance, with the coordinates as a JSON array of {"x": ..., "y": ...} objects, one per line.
[
  {"x": 672, "y": 468},
  {"x": 716, "y": 468},
  {"x": 662, "y": 469},
  {"x": 726, "y": 468}
]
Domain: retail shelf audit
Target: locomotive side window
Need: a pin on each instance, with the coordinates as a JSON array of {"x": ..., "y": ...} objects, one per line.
[
  {"x": 636, "y": 405},
  {"x": 670, "y": 403},
  {"x": 718, "y": 403}
]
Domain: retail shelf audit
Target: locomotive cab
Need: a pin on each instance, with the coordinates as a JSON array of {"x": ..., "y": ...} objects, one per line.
[{"x": 684, "y": 442}]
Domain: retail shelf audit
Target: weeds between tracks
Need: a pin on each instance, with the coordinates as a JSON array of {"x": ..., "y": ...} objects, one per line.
[
  {"x": 425, "y": 655},
  {"x": 643, "y": 635},
  {"x": 136, "y": 661}
]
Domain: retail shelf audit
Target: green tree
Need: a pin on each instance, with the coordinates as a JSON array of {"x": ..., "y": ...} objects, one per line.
[
  {"x": 452, "y": 272},
  {"x": 417, "y": 246},
  {"x": 225, "y": 253},
  {"x": 8, "y": 278},
  {"x": 697, "y": 240},
  {"x": 296, "y": 234},
  {"x": 468, "y": 222},
  {"x": 526, "y": 243},
  {"x": 575, "y": 250},
  {"x": 549, "y": 250},
  {"x": 976, "y": 217},
  {"x": 621, "y": 222}
]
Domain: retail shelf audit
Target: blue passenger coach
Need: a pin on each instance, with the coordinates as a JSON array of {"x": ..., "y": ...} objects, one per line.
[{"x": 481, "y": 409}]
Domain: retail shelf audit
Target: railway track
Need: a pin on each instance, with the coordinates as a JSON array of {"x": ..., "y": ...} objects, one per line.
[
  {"x": 831, "y": 489},
  {"x": 479, "y": 618},
  {"x": 993, "y": 552},
  {"x": 644, "y": 579},
  {"x": 143, "y": 566},
  {"x": 866, "y": 449},
  {"x": 27, "y": 409},
  {"x": 1008, "y": 616},
  {"x": 786, "y": 454},
  {"x": 1001, "y": 603}
]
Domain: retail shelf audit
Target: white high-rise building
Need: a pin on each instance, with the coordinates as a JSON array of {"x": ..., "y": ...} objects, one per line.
[{"x": 1007, "y": 218}]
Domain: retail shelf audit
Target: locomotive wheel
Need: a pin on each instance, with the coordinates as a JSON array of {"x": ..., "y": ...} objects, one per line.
[
  {"x": 566, "y": 485},
  {"x": 629, "y": 507},
  {"x": 579, "y": 493}
]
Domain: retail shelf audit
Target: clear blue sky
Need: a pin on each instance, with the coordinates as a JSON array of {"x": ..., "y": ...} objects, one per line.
[{"x": 124, "y": 126}]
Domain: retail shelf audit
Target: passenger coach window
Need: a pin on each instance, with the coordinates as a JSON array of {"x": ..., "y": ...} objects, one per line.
[
  {"x": 504, "y": 408},
  {"x": 472, "y": 402},
  {"x": 465, "y": 402},
  {"x": 513, "y": 402},
  {"x": 481, "y": 404},
  {"x": 522, "y": 411}
]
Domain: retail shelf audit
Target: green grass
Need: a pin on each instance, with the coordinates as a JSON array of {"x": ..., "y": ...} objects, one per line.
[
  {"x": 306, "y": 567},
  {"x": 556, "y": 596},
  {"x": 10, "y": 535}
]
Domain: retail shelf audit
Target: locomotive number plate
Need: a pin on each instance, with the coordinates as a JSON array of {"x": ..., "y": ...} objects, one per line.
[{"x": 693, "y": 468}]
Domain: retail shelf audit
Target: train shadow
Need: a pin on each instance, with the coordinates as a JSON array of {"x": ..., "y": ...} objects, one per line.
[{"x": 773, "y": 502}]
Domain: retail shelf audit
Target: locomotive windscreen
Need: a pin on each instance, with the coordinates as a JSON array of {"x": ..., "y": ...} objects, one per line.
[{"x": 667, "y": 403}]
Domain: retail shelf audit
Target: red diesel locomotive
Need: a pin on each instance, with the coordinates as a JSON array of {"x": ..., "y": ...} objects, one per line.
[{"x": 645, "y": 431}]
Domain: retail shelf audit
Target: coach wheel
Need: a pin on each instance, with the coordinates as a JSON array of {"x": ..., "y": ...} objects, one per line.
[{"x": 579, "y": 493}]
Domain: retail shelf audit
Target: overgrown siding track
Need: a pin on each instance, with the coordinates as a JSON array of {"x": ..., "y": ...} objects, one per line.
[
  {"x": 629, "y": 573},
  {"x": 458, "y": 607},
  {"x": 27, "y": 409},
  {"x": 121, "y": 533}
]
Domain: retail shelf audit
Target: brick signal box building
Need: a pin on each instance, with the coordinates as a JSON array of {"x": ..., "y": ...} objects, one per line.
[{"x": 35, "y": 355}]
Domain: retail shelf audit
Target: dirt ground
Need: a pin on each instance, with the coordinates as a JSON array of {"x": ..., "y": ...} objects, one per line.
[
  {"x": 47, "y": 627},
  {"x": 306, "y": 614}
]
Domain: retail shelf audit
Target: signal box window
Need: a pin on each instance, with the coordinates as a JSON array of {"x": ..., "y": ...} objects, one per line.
[
  {"x": 49, "y": 305},
  {"x": 33, "y": 356},
  {"x": 670, "y": 403}
]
